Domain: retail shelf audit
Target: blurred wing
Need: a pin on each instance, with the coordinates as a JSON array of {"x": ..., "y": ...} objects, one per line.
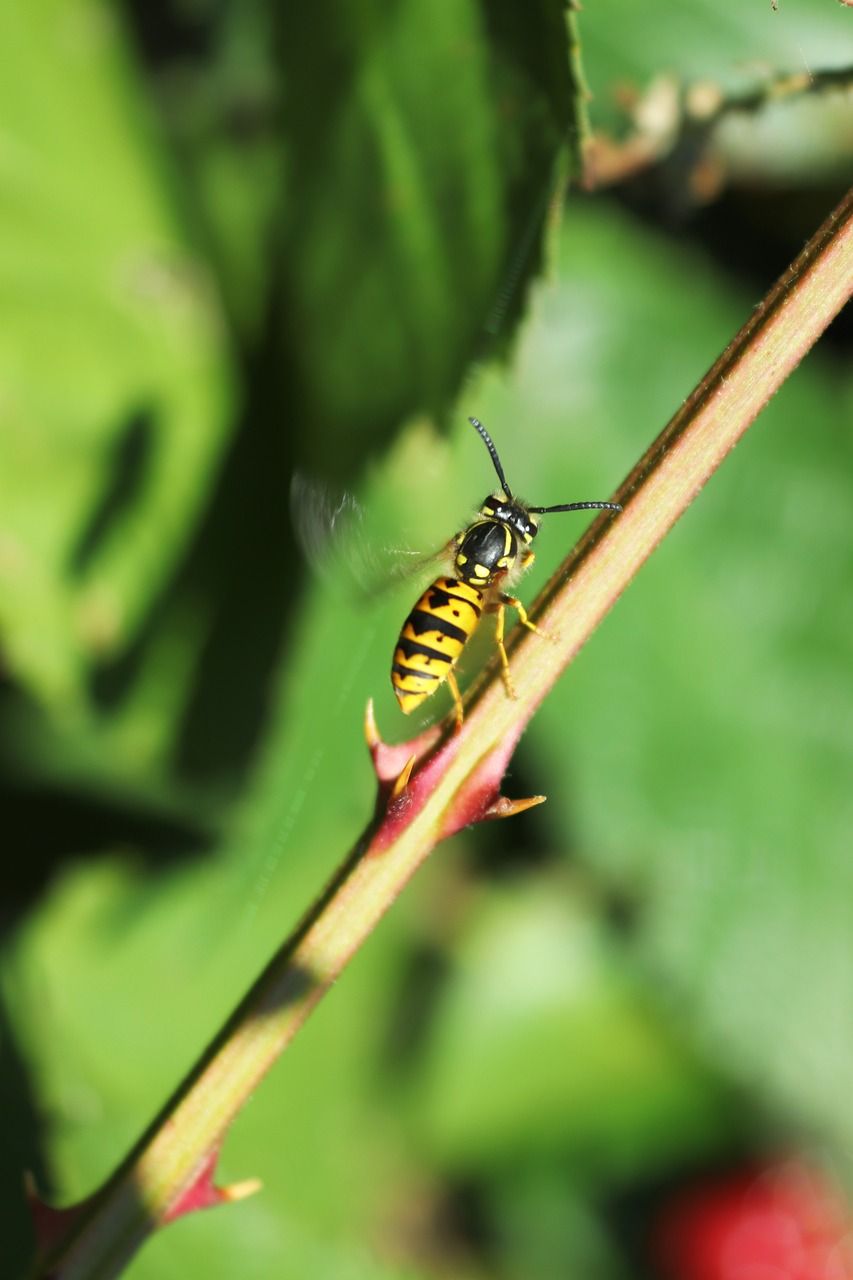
[{"x": 332, "y": 531}]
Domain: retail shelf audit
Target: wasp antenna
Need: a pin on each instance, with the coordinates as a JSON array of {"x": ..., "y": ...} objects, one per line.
[
  {"x": 576, "y": 506},
  {"x": 490, "y": 445}
]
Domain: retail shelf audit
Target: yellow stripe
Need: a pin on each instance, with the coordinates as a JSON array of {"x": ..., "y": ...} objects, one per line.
[{"x": 413, "y": 683}]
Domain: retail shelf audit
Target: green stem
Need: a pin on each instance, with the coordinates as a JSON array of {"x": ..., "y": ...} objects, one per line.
[
  {"x": 790, "y": 84},
  {"x": 456, "y": 776},
  {"x": 696, "y": 113}
]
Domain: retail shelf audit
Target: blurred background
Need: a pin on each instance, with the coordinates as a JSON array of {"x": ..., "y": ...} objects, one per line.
[{"x": 612, "y": 1038}]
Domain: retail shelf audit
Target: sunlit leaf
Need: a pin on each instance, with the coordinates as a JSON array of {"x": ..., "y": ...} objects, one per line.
[{"x": 112, "y": 360}]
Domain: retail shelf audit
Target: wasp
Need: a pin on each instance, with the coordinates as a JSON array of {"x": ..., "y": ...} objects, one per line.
[{"x": 488, "y": 555}]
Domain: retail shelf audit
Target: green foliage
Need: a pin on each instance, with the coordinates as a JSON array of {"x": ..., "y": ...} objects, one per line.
[
  {"x": 112, "y": 358},
  {"x": 340, "y": 256},
  {"x": 545, "y": 1046},
  {"x": 732, "y": 45},
  {"x": 442, "y": 124}
]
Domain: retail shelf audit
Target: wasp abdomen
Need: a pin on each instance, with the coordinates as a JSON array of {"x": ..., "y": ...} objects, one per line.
[{"x": 433, "y": 636}]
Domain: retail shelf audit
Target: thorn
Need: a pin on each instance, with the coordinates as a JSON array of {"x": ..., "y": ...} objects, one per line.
[
  {"x": 241, "y": 1190},
  {"x": 371, "y": 732},
  {"x": 51, "y": 1224},
  {"x": 389, "y": 760},
  {"x": 402, "y": 780},
  {"x": 503, "y": 807}
]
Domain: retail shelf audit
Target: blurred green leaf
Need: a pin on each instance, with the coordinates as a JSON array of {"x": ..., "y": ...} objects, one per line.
[
  {"x": 113, "y": 362},
  {"x": 547, "y": 1229},
  {"x": 734, "y": 46},
  {"x": 544, "y": 1045},
  {"x": 439, "y": 128},
  {"x": 222, "y": 113},
  {"x": 801, "y": 141}
]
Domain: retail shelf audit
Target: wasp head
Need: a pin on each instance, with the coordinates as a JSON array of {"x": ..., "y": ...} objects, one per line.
[{"x": 511, "y": 512}]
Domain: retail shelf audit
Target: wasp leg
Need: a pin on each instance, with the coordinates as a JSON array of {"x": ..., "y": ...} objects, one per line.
[
  {"x": 457, "y": 699},
  {"x": 500, "y": 610},
  {"x": 523, "y": 616}
]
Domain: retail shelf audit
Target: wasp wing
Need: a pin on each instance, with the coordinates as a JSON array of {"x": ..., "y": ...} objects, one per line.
[{"x": 334, "y": 534}]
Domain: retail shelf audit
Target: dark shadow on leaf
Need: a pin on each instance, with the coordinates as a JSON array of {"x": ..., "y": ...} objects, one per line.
[
  {"x": 419, "y": 993},
  {"x": 45, "y": 826},
  {"x": 48, "y": 819},
  {"x": 125, "y": 475},
  {"x": 242, "y": 571},
  {"x": 20, "y": 1151},
  {"x": 531, "y": 842}
]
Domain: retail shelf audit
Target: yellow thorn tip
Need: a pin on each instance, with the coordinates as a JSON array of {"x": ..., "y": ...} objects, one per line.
[
  {"x": 241, "y": 1190},
  {"x": 371, "y": 732},
  {"x": 506, "y": 808},
  {"x": 403, "y": 776}
]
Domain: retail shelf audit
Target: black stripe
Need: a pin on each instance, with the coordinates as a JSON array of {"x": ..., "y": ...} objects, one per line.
[
  {"x": 470, "y": 603},
  {"x": 408, "y": 671},
  {"x": 411, "y": 647},
  {"x": 420, "y": 621},
  {"x": 440, "y": 599}
]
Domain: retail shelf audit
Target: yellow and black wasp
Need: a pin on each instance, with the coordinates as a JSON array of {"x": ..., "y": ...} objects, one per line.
[{"x": 490, "y": 554}]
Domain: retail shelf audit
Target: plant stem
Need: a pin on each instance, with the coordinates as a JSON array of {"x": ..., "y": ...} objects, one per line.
[
  {"x": 443, "y": 780},
  {"x": 686, "y": 119}
]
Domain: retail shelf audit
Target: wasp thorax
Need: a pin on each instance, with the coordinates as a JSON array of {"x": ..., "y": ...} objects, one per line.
[{"x": 491, "y": 545}]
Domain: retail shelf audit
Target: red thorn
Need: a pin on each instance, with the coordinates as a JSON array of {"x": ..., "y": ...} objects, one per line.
[
  {"x": 389, "y": 761},
  {"x": 479, "y": 797},
  {"x": 403, "y": 788},
  {"x": 201, "y": 1193},
  {"x": 503, "y": 807},
  {"x": 50, "y": 1223}
]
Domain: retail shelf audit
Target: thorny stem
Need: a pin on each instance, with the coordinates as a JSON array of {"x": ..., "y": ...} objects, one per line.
[
  {"x": 790, "y": 84},
  {"x": 434, "y": 785},
  {"x": 685, "y": 118}
]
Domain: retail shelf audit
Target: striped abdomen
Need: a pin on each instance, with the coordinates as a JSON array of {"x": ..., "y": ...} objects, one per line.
[{"x": 433, "y": 636}]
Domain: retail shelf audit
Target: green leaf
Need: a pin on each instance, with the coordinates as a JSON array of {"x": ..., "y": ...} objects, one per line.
[
  {"x": 438, "y": 129},
  {"x": 735, "y": 49},
  {"x": 733, "y": 45},
  {"x": 543, "y": 1046},
  {"x": 116, "y": 385}
]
